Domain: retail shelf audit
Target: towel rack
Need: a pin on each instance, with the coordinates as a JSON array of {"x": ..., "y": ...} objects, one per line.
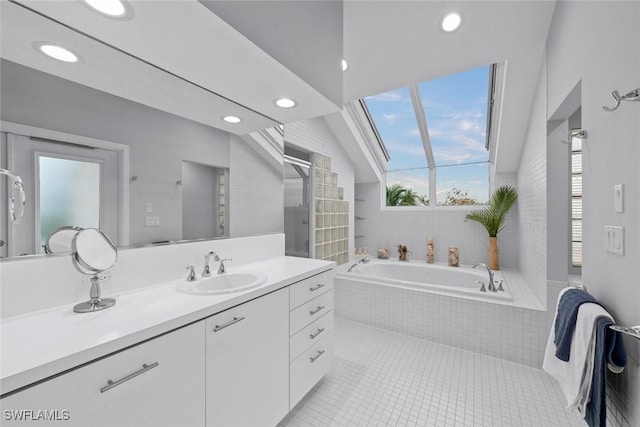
[{"x": 634, "y": 331}]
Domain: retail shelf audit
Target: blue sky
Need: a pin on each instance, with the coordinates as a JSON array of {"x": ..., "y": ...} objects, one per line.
[{"x": 456, "y": 112}]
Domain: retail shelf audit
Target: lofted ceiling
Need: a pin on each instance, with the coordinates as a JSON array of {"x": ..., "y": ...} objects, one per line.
[
  {"x": 180, "y": 55},
  {"x": 391, "y": 44}
]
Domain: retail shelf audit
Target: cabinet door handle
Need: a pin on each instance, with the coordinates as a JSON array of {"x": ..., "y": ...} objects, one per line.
[
  {"x": 318, "y": 332},
  {"x": 314, "y": 358},
  {"x": 112, "y": 384},
  {"x": 229, "y": 323},
  {"x": 315, "y": 288},
  {"x": 320, "y": 307}
]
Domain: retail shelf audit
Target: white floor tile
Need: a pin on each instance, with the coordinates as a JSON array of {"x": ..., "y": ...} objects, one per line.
[{"x": 381, "y": 378}]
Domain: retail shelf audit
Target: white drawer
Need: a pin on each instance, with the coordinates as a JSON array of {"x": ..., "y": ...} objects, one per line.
[
  {"x": 157, "y": 383},
  {"x": 309, "y": 368},
  {"x": 310, "y": 311},
  {"x": 309, "y": 288},
  {"x": 308, "y": 336}
]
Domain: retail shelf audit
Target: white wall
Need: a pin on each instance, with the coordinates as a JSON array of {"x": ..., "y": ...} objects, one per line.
[
  {"x": 593, "y": 48},
  {"x": 601, "y": 50},
  {"x": 412, "y": 226},
  {"x": 532, "y": 195},
  {"x": 315, "y": 135}
]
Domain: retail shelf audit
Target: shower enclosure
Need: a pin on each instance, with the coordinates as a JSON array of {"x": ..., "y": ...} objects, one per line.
[{"x": 296, "y": 206}]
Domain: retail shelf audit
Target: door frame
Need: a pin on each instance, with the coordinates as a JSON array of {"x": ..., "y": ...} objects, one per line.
[{"x": 123, "y": 159}]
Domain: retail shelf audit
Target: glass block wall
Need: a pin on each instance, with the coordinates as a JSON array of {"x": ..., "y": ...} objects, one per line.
[{"x": 332, "y": 214}]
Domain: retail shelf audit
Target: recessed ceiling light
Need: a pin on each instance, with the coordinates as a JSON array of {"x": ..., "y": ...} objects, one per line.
[
  {"x": 451, "y": 22},
  {"x": 285, "y": 103},
  {"x": 232, "y": 119},
  {"x": 57, "y": 52},
  {"x": 345, "y": 65},
  {"x": 112, "y": 8}
]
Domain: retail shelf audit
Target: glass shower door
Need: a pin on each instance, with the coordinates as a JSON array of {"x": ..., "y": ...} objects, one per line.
[{"x": 296, "y": 207}]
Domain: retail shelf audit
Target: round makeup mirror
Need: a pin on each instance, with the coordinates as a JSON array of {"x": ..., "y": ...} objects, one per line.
[
  {"x": 60, "y": 240},
  {"x": 93, "y": 253}
]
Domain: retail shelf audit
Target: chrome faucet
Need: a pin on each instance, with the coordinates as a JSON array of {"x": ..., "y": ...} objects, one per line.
[
  {"x": 206, "y": 272},
  {"x": 221, "y": 269},
  {"x": 192, "y": 274},
  {"x": 492, "y": 287},
  {"x": 362, "y": 261}
]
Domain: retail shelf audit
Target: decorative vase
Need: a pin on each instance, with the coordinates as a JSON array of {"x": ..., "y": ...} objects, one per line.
[
  {"x": 454, "y": 257},
  {"x": 430, "y": 251},
  {"x": 494, "y": 261}
]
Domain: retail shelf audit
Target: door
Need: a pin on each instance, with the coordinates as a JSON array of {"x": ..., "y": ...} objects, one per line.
[{"x": 66, "y": 185}]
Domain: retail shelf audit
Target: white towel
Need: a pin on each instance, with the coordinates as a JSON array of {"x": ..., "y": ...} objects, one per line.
[{"x": 575, "y": 375}]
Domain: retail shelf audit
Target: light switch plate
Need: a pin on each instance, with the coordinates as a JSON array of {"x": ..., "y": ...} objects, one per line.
[
  {"x": 614, "y": 239},
  {"x": 148, "y": 207},
  {"x": 618, "y": 198}
]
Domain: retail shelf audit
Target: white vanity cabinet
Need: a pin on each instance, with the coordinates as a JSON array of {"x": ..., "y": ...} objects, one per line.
[
  {"x": 160, "y": 382},
  {"x": 247, "y": 368},
  {"x": 311, "y": 333}
]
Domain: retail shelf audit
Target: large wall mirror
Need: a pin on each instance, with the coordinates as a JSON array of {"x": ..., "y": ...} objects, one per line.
[{"x": 92, "y": 156}]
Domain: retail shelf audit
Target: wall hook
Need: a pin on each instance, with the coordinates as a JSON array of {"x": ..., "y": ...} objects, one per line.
[{"x": 634, "y": 95}]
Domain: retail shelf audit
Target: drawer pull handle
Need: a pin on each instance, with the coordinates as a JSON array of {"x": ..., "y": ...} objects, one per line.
[
  {"x": 112, "y": 384},
  {"x": 315, "y": 288},
  {"x": 320, "y": 307},
  {"x": 314, "y": 358},
  {"x": 229, "y": 323},
  {"x": 318, "y": 332}
]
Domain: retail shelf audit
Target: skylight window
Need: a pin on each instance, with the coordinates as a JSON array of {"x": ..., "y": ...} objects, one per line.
[
  {"x": 395, "y": 121},
  {"x": 435, "y": 133}
]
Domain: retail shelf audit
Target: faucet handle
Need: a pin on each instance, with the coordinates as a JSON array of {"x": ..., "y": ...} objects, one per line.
[
  {"x": 222, "y": 268},
  {"x": 500, "y": 288},
  {"x": 482, "y": 289},
  {"x": 192, "y": 274}
]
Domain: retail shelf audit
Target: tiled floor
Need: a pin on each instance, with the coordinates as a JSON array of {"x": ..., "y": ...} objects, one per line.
[{"x": 381, "y": 378}]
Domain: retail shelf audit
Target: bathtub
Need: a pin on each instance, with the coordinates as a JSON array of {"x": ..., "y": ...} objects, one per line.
[{"x": 436, "y": 278}]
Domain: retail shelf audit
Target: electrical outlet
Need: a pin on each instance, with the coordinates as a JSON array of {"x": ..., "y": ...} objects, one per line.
[{"x": 148, "y": 207}]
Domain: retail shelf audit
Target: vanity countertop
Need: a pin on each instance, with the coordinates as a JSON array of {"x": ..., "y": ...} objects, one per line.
[{"x": 37, "y": 345}]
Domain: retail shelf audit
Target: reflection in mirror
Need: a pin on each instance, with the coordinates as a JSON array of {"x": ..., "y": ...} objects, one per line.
[
  {"x": 204, "y": 201},
  {"x": 60, "y": 240},
  {"x": 93, "y": 253},
  {"x": 122, "y": 133}
]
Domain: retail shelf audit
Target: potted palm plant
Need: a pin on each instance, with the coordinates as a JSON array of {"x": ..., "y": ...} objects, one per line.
[{"x": 493, "y": 218}]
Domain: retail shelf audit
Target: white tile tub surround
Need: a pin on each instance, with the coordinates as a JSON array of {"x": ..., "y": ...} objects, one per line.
[
  {"x": 412, "y": 226},
  {"x": 517, "y": 334},
  {"x": 532, "y": 194},
  {"x": 43, "y": 282}
]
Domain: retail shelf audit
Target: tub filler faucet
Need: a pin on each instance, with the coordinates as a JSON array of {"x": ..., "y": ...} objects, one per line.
[
  {"x": 362, "y": 261},
  {"x": 492, "y": 287}
]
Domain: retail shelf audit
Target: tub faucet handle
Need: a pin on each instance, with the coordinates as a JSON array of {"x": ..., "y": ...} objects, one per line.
[
  {"x": 500, "y": 288},
  {"x": 482, "y": 288}
]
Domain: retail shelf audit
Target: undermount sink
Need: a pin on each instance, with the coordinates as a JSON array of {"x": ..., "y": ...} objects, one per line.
[{"x": 226, "y": 283}]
